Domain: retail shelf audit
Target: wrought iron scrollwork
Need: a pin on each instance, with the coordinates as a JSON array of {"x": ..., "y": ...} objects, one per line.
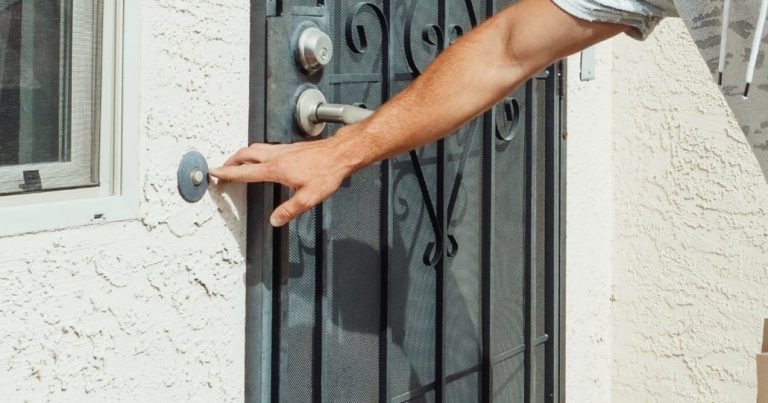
[
  {"x": 437, "y": 37},
  {"x": 454, "y": 197},
  {"x": 455, "y": 31},
  {"x": 431, "y": 34},
  {"x": 434, "y": 35},
  {"x": 359, "y": 45},
  {"x": 427, "y": 36},
  {"x": 471, "y": 12},
  {"x": 434, "y": 250},
  {"x": 507, "y": 119}
]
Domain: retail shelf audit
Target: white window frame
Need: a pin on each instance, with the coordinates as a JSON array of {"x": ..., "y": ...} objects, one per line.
[{"x": 117, "y": 196}]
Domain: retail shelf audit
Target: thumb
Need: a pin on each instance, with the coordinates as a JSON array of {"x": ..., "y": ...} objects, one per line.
[{"x": 301, "y": 201}]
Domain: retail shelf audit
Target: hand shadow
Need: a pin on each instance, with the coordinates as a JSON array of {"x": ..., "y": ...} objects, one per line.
[{"x": 231, "y": 203}]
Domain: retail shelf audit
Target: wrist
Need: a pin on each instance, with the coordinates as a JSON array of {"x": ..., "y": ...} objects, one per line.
[{"x": 352, "y": 148}]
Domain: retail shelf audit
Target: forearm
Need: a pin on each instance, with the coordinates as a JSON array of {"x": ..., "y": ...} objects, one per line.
[{"x": 469, "y": 77}]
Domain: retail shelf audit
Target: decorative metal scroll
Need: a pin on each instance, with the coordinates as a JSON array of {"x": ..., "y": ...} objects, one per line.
[
  {"x": 431, "y": 34},
  {"x": 437, "y": 37},
  {"x": 507, "y": 119},
  {"x": 360, "y": 45}
]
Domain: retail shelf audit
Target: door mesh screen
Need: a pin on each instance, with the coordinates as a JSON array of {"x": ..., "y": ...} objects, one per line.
[
  {"x": 297, "y": 346},
  {"x": 463, "y": 267},
  {"x": 412, "y": 288},
  {"x": 352, "y": 297},
  {"x": 508, "y": 271}
]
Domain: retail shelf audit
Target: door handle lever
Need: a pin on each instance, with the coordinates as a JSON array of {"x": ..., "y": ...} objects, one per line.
[
  {"x": 339, "y": 113},
  {"x": 313, "y": 112}
]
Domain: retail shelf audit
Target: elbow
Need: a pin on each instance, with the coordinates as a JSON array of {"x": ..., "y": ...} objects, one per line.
[{"x": 518, "y": 61}]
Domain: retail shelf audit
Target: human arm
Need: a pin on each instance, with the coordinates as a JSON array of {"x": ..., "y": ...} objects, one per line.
[{"x": 467, "y": 79}]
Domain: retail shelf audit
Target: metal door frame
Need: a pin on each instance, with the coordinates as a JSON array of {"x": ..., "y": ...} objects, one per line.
[{"x": 264, "y": 251}]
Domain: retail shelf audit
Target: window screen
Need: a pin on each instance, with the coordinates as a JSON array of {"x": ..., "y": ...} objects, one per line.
[{"x": 50, "y": 53}]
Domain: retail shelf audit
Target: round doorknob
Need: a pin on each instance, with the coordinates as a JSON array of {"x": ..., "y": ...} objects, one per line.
[{"x": 315, "y": 49}]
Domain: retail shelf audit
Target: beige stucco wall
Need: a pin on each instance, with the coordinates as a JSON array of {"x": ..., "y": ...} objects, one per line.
[
  {"x": 691, "y": 231},
  {"x": 151, "y": 309},
  {"x": 667, "y": 231}
]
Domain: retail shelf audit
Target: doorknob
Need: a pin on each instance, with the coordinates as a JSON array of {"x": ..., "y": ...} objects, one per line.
[{"x": 313, "y": 112}]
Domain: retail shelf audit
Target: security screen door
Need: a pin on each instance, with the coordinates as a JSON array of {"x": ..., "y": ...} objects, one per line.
[{"x": 435, "y": 276}]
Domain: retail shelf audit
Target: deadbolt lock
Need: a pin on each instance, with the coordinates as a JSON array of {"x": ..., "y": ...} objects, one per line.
[{"x": 315, "y": 50}]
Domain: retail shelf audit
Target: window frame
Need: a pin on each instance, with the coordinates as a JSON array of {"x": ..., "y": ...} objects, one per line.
[{"x": 117, "y": 197}]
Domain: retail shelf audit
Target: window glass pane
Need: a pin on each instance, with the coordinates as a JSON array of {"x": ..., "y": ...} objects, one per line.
[{"x": 50, "y": 54}]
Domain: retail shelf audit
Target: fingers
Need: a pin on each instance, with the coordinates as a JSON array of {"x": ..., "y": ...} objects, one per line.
[
  {"x": 242, "y": 156},
  {"x": 302, "y": 201},
  {"x": 269, "y": 163},
  {"x": 248, "y": 173},
  {"x": 249, "y": 155}
]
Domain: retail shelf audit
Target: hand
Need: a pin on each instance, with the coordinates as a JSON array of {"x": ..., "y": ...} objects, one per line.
[{"x": 314, "y": 170}]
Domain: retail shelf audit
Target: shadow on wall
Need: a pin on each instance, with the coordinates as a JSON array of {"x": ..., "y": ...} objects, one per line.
[
  {"x": 751, "y": 112},
  {"x": 231, "y": 205}
]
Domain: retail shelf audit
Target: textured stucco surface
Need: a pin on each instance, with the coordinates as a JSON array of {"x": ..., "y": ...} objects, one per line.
[
  {"x": 151, "y": 309},
  {"x": 691, "y": 230},
  {"x": 589, "y": 231}
]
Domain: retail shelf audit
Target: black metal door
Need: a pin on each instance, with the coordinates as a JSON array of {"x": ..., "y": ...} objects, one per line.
[{"x": 435, "y": 276}]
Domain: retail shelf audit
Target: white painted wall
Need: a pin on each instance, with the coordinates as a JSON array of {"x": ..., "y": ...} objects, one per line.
[
  {"x": 589, "y": 226},
  {"x": 151, "y": 309}
]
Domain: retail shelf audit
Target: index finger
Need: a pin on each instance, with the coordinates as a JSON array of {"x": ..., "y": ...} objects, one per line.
[
  {"x": 257, "y": 152},
  {"x": 247, "y": 173}
]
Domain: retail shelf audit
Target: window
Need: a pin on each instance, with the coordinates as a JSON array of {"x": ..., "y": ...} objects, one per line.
[
  {"x": 49, "y": 94},
  {"x": 63, "y": 103}
]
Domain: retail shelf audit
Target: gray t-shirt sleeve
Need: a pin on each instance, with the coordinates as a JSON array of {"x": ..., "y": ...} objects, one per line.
[{"x": 641, "y": 15}]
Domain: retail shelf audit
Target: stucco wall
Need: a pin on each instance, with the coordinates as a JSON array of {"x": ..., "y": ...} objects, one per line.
[
  {"x": 151, "y": 309},
  {"x": 691, "y": 230}
]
